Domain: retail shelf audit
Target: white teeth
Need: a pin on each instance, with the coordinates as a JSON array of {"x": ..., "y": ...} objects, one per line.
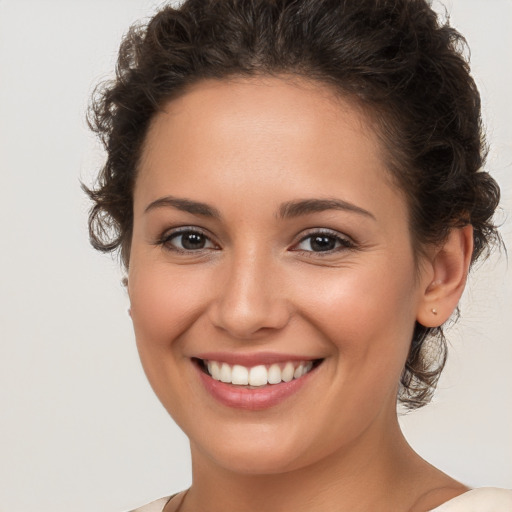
[
  {"x": 214, "y": 369},
  {"x": 274, "y": 374},
  {"x": 225, "y": 373},
  {"x": 240, "y": 375},
  {"x": 260, "y": 375},
  {"x": 287, "y": 373}
]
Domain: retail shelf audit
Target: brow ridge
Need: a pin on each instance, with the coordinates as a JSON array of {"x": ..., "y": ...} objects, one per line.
[
  {"x": 185, "y": 205},
  {"x": 308, "y": 206}
]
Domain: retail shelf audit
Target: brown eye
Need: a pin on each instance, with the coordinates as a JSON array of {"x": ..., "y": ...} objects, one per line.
[
  {"x": 189, "y": 241},
  {"x": 323, "y": 242},
  {"x": 192, "y": 241}
]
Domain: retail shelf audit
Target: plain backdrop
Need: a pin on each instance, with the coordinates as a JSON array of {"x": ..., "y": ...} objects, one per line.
[{"x": 80, "y": 429}]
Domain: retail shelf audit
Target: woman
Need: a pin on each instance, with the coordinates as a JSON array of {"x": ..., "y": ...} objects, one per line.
[{"x": 297, "y": 194}]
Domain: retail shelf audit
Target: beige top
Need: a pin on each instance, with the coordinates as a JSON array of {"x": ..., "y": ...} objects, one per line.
[
  {"x": 485, "y": 499},
  {"x": 154, "y": 506}
]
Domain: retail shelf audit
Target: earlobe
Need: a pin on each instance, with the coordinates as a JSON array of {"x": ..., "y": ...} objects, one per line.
[
  {"x": 447, "y": 278},
  {"x": 125, "y": 283}
]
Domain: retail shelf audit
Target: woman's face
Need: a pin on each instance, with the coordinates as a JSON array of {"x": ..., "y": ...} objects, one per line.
[{"x": 269, "y": 240}]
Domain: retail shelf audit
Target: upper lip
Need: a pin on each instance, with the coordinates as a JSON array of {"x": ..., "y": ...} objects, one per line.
[{"x": 253, "y": 359}]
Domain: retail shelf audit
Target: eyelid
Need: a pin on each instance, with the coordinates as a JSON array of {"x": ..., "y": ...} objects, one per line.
[
  {"x": 165, "y": 238},
  {"x": 347, "y": 243}
]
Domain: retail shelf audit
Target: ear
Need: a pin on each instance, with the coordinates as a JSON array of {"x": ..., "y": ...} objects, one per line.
[
  {"x": 126, "y": 284},
  {"x": 445, "y": 273}
]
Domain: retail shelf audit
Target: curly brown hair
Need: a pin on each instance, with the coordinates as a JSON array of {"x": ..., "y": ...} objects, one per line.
[{"x": 396, "y": 58}]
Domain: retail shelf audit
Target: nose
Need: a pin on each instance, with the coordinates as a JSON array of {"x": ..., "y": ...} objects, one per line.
[{"x": 251, "y": 300}]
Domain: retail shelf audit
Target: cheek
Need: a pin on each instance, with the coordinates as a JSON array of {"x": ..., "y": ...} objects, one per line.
[
  {"x": 368, "y": 314},
  {"x": 164, "y": 303}
]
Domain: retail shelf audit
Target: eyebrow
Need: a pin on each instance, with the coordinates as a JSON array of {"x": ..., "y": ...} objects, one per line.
[
  {"x": 307, "y": 206},
  {"x": 185, "y": 205},
  {"x": 287, "y": 210}
]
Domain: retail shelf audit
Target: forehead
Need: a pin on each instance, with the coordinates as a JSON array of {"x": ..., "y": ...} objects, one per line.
[{"x": 259, "y": 135}]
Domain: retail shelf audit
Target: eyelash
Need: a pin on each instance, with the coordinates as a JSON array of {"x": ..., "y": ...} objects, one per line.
[
  {"x": 166, "y": 239},
  {"x": 341, "y": 243}
]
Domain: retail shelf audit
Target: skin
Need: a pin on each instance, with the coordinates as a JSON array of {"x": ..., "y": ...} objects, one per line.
[{"x": 245, "y": 148}]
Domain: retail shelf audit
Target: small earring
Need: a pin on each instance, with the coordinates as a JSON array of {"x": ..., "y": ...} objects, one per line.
[
  {"x": 130, "y": 312},
  {"x": 434, "y": 311}
]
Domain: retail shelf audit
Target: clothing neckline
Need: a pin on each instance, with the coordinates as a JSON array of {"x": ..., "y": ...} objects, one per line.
[{"x": 486, "y": 494}]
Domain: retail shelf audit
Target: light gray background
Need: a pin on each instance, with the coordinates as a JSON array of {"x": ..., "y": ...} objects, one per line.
[{"x": 80, "y": 429}]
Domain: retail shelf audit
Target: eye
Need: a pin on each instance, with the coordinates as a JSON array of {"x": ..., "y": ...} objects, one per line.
[
  {"x": 323, "y": 242},
  {"x": 187, "y": 240}
]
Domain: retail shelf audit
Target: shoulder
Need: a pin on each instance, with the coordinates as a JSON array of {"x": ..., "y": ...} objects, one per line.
[
  {"x": 485, "y": 499},
  {"x": 154, "y": 506}
]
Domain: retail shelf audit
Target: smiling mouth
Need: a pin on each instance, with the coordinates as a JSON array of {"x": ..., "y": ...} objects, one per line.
[{"x": 256, "y": 376}]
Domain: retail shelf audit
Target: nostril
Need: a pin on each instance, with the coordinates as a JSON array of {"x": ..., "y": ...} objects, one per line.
[{"x": 250, "y": 320}]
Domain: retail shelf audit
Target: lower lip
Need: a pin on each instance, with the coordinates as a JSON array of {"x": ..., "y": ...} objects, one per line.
[{"x": 255, "y": 399}]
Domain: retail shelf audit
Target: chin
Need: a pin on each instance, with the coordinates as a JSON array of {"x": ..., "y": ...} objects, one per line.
[
  {"x": 256, "y": 453},
  {"x": 255, "y": 461}
]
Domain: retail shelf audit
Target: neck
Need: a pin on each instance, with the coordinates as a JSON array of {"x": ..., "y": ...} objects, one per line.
[{"x": 374, "y": 473}]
